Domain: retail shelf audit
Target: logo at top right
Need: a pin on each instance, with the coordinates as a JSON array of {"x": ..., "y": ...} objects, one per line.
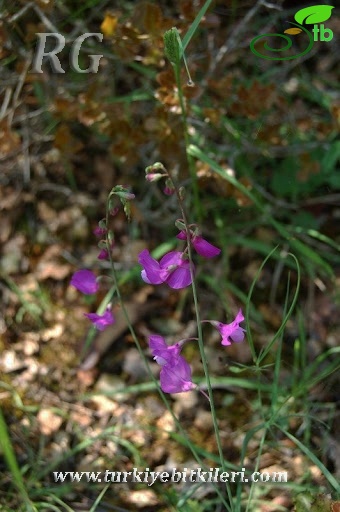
[{"x": 313, "y": 15}]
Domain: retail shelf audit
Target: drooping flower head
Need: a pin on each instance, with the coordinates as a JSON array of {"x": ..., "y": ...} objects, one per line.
[
  {"x": 85, "y": 281},
  {"x": 230, "y": 332},
  {"x": 201, "y": 246},
  {"x": 173, "y": 269},
  {"x": 101, "y": 321}
]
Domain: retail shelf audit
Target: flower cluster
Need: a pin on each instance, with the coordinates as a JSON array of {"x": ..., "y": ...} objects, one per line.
[
  {"x": 85, "y": 281},
  {"x": 175, "y": 375},
  {"x": 175, "y": 269}
]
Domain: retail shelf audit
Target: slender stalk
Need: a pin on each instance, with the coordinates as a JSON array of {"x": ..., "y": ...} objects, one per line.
[
  {"x": 200, "y": 334},
  {"x": 174, "y": 52},
  {"x": 190, "y": 159}
]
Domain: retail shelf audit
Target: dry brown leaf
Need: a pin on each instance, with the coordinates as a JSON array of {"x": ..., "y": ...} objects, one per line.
[
  {"x": 308, "y": 167},
  {"x": 50, "y": 266},
  {"x": 109, "y": 24},
  {"x": 65, "y": 141},
  {"x": 9, "y": 140}
]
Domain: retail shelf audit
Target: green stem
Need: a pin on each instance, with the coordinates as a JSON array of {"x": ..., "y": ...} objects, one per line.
[
  {"x": 200, "y": 336},
  {"x": 190, "y": 159}
]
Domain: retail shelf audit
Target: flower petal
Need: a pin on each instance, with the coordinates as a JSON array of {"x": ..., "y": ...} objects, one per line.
[
  {"x": 179, "y": 278},
  {"x": 162, "y": 352},
  {"x": 101, "y": 321},
  {"x": 238, "y": 335},
  {"x": 205, "y": 248},
  {"x": 85, "y": 281},
  {"x": 181, "y": 235},
  {"x": 103, "y": 255},
  {"x": 239, "y": 317},
  {"x": 225, "y": 341},
  {"x": 171, "y": 258},
  {"x": 151, "y": 272},
  {"x": 176, "y": 378}
]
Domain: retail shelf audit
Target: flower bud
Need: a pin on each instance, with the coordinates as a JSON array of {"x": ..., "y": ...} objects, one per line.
[
  {"x": 172, "y": 48},
  {"x": 124, "y": 194},
  {"x": 169, "y": 189},
  {"x": 153, "y": 176},
  {"x": 157, "y": 166}
]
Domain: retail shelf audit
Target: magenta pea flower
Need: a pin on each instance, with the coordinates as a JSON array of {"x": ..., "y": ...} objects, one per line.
[
  {"x": 103, "y": 255},
  {"x": 101, "y": 321},
  {"x": 100, "y": 231},
  {"x": 175, "y": 375},
  {"x": 168, "y": 191},
  {"x": 201, "y": 246},
  {"x": 230, "y": 332},
  {"x": 162, "y": 352},
  {"x": 176, "y": 378},
  {"x": 173, "y": 269},
  {"x": 85, "y": 281}
]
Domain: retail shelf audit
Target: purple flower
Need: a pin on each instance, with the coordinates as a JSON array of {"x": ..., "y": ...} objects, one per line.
[
  {"x": 101, "y": 321},
  {"x": 162, "y": 352},
  {"x": 176, "y": 378},
  {"x": 201, "y": 246},
  {"x": 100, "y": 231},
  {"x": 172, "y": 269},
  {"x": 85, "y": 281},
  {"x": 168, "y": 191},
  {"x": 175, "y": 375},
  {"x": 103, "y": 255},
  {"x": 230, "y": 332}
]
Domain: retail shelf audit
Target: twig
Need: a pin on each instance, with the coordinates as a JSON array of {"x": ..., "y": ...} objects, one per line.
[
  {"x": 18, "y": 89},
  {"x": 5, "y": 103}
]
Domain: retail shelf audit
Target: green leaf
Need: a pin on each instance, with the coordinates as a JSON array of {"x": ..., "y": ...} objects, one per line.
[
  {"x": 195, "y": 23},
  {"x": 314, "y": 14},
  {"x": 331, "y": 158}
]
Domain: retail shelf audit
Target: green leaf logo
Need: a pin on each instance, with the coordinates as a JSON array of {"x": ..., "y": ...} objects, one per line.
[{"x": 314, "y": 14}]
